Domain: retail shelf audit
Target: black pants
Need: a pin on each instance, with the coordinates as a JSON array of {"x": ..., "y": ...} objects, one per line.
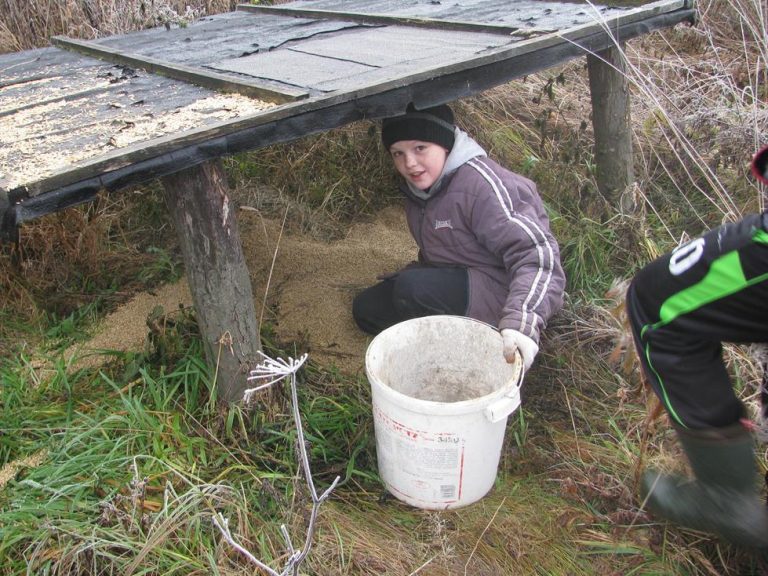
[
  {"x": 412, "y": 293},
  {"x": 681, "y": 308}
]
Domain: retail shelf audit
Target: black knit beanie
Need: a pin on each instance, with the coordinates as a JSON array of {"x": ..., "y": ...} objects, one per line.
[{"x": 428, "y": 125}]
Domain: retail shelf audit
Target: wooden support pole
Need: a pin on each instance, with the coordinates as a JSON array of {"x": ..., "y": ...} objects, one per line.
[
  {"x": 611, "y": 121},
  {"x": 217, "y": 273}
]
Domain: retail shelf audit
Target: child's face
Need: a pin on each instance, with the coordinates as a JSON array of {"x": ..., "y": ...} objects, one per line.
[{"x": 420, "y": 163}]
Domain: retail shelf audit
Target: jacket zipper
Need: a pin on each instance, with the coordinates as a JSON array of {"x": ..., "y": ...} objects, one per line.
[{"x": 421, "y": 234}]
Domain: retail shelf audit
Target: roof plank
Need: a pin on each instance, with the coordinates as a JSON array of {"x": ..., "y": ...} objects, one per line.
[
  {"x": 380, "y": 18},
  {"x": 222, "y": 36},
  {"x": 351, "y": 58},
  {"x": 208, "y": 79},
  {"x": 516, "y": 16},
  {"x": 48, "y": 127}
]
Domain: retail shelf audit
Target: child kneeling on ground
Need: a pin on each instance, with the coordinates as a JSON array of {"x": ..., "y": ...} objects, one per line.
[{"x": 485, "y": 247}]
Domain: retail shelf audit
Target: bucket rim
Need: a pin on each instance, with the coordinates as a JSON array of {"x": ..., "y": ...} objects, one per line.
[{"x": 434, "y": 407}]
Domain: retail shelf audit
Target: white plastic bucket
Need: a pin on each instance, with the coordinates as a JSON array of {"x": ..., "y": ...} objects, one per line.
[{"x": 441, "y": 394}]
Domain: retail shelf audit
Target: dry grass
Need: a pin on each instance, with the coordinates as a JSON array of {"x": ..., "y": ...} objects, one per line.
[
  {"x": 25, "y": 25},
  {"x": 83, "y": 261},
  {"x": 701, "y": 109},
  {"x": 320, "y": 184}
]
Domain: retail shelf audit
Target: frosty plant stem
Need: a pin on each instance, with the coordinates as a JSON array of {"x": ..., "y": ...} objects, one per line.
[{"x": 271, "y": 371}]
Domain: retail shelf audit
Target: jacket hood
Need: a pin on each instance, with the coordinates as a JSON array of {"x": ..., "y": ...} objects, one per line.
[{"x": 464, "y": 149}]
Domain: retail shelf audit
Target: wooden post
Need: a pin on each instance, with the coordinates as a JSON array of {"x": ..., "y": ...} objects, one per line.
[
  {"x": 217, "y": 273},
  {"x": 611, "y": 121}
]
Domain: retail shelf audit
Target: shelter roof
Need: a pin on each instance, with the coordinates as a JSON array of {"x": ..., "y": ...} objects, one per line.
[{"x": 82, "y": 116}]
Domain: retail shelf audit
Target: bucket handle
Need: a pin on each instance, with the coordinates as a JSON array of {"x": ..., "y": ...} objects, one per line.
[{"x": 508, "y": 403}]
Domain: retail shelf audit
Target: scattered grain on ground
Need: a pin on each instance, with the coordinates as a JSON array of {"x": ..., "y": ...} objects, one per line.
[
  {"x": 309, "y": 293},
  {"x": 126, "y": 328},
  {"x": 9, "y": 471},
  {"x": 313, "y": 282}
]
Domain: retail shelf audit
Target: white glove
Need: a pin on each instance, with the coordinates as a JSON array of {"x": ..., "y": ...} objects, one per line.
[{"x": 513, "y": 341}]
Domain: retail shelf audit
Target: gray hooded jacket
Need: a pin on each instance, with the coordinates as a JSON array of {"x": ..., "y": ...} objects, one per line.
[{"x": 480, "y": 216}]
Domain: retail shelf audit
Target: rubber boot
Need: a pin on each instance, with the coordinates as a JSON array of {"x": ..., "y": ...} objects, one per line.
[{"x": 723, "y": 499}]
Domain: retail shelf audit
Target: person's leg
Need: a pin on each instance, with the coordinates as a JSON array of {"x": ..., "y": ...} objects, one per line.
[
  {"x": 724, "y": 498},
  {"x": 426, "y": 291},
  {"x": 681, "y": 307},
  {"x": 374, "y": 309},
  {"x": 411, "y": 293}
]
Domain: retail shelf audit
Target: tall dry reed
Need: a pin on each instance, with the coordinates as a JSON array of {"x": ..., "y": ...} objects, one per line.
[
  {"x": 701, "y": 110},
  {"x": 26, "y": 24}
]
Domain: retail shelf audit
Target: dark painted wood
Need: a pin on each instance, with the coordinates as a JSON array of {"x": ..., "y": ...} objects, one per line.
[
  {"x": 352, "y": 58},
  {"x": 23, "y": 71},
  {"x": 518, "y": 15},
  {"x": 222, "y": 37},
  {"x": 386, "y": 19}
]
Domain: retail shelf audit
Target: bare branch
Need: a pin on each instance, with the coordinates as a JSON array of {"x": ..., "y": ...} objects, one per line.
[
  {"x": 223, "y": 525},
  {"x": 271, "y": 371}
]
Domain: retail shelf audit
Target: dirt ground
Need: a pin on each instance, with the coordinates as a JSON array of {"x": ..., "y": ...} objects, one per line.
[{"x": 308, "y": 284}]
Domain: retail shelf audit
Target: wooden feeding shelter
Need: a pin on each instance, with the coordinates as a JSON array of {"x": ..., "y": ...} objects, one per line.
[{"x": 85, "y": 116}]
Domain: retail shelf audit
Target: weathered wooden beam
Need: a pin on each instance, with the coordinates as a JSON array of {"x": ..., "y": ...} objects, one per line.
[
  {"x": 205, "y": 221},
  {"x": 24, "y": 80},
  {"x": 9, "y": 231},
  {"x": 611, "y": 121},
  {"x": 391, "y": 20},
  {"x": 205, "y": 78},
  {"x": 63, "y": 98}
]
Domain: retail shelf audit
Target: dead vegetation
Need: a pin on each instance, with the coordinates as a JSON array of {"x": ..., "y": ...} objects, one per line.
[{"x": 26, "y": 25}]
